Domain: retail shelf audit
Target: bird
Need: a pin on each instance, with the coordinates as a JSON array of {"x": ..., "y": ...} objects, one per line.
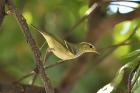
[{"x": 64, "y": 49}]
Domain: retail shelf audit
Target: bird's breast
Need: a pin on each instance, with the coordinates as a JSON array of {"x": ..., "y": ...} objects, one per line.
[{"x": 59, "y": 50}]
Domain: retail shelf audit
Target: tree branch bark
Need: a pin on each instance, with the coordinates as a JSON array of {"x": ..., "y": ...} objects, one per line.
[
  {"x": 36, "y": 53},
  {"x": 2, "y": 11},
  {"x": 20, "y": 88}
]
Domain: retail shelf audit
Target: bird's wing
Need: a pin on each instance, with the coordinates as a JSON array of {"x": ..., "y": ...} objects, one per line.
[{"x": 66, "y": 44}]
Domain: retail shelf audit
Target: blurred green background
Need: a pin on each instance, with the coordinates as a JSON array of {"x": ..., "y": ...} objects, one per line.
[{"x": 57, "y": 17}]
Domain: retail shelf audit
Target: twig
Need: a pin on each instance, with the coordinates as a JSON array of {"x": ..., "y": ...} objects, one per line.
[
  {"x": 2, "y": 11},
  {"x": 47, "y": 54},
  {"x": 46, "y": 67},
  {"x": 57, "y": 63},
  {"x": 35, "y": 50},
  {"x": 33, "y": 80},
  {"x": 23, "y": 77},
  {"x": 118, "y": 45},
  {"x": 134, "y": 31},
  {"x": 88, "y": 12}
]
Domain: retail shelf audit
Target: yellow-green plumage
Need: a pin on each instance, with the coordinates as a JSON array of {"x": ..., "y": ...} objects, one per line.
[{"x": 65, "y": 50}]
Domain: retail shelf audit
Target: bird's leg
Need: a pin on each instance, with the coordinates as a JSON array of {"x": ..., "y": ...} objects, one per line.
[
  {"x": 40, "y": 48},
  {"x": 48, "y": 51}
]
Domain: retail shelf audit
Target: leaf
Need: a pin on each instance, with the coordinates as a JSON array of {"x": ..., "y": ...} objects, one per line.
[
  {"x": 131, "y": 54},
  {"x": 112, "y": 86}
]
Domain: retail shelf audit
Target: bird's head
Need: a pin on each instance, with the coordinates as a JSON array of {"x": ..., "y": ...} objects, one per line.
[{"x": 87, "y": 47}]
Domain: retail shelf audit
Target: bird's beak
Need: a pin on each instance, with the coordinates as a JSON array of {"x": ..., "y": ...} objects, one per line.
[{"x": 95, "y": 51}]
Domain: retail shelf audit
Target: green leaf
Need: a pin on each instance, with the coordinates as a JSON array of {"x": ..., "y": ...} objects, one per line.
[
  {"x": 112, "y": 86},
  {"x": 131, "y": 54}
]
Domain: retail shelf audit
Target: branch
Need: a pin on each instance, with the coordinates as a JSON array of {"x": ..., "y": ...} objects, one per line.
[
  {"x": 33, "y": 72},
  {"x": 36, "y": 53},
  {"x": 25, "y": 76},
  {"x": 118, "y": 45},
  {"x": 20, "y": 88},
  {"x": 2, "y": 11},
  {"x": 88, "y": 12}
]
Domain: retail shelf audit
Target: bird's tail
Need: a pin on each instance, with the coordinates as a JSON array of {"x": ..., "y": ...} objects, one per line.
[
  {"x": 37, "y": 28},
  {"x": 41, "y": 31}
]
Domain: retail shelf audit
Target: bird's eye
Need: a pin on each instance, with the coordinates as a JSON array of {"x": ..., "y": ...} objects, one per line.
[{"x": 90, "y": 46}]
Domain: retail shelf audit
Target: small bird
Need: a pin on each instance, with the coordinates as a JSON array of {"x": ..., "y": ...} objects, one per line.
[{"x": 63, "y": 49}]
